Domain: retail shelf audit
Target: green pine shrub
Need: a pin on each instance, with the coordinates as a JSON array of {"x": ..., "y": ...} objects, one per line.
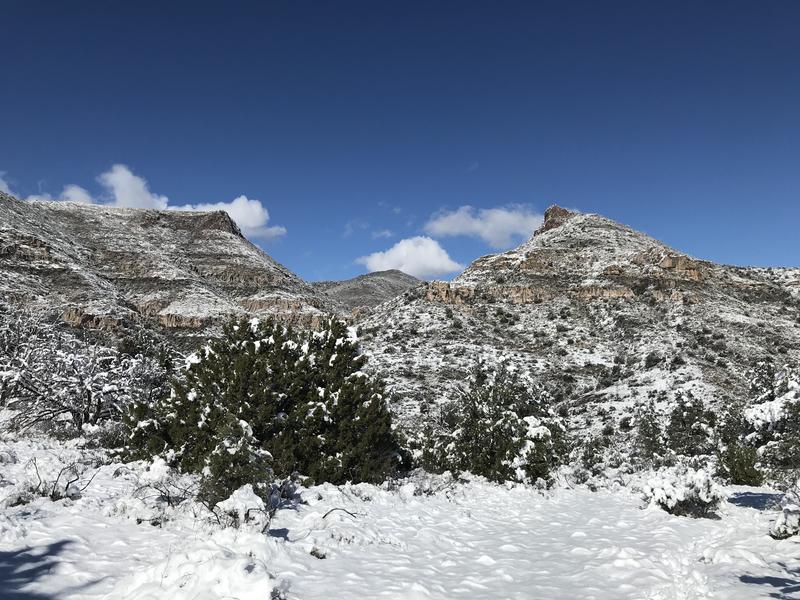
[
  {"x": 649, "y": 444},
  {"x": 689, "y": 431},
  {"x": 737, "y": 464},
  {"x": 265, "y": 401},
  {"x": 737, "y": 457},
  {"x": 502, "y": 428}
]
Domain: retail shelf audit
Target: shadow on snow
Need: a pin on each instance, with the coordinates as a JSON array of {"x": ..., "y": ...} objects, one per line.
[
  {"x": 785, "y": 588},
  {"x": 757, "y": 500},
  {"x": 19, "y": 569}
]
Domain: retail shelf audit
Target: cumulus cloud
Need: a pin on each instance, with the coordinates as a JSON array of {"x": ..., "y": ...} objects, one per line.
[
  {"x": 4, "y": 187},
  {"x": 418, "y": 256},
  {"x": 75, "y": 193},
  {"x": 130, "y": 191},
  {"x": 498, "y": 227},
  {"x": 250, "y": 215}
]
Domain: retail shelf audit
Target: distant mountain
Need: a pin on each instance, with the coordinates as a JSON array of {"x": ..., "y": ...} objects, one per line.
[
  {"x": 604, "y": 314},
  {"x": 367, "y": 291},
  {"x": 108, "y": 268}
]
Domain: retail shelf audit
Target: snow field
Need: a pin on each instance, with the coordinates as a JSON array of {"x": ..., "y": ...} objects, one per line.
[{"x": 430, "y": 538}]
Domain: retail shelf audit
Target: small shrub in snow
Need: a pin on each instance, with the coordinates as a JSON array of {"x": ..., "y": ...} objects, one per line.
[
  {"x": 787, "y": 523},
  {"x": 683, "y": 491},
  {"x": 503, "y": 429},
  {"x": 243, "y": 506}
]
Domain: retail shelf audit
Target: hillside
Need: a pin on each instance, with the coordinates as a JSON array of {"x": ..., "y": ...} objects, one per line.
[
  {"x": 367, "y": 291},
  {"x": 605, "y": 315},
  {"x": 110, "y": 268}
]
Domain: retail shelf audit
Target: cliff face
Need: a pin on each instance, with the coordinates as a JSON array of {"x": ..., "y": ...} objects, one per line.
[
  {"x": 605, "y": 314},
  {"x": 109, "y": 267}
]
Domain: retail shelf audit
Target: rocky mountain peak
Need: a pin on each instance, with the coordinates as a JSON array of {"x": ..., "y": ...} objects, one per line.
[{"x": 554, "y": 216}]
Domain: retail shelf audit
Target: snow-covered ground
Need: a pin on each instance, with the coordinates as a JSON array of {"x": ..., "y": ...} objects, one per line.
[{"x": 427, "y": 539}]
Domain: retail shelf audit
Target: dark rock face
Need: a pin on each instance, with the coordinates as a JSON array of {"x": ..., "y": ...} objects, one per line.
[
  {"x": 367, "y": 291},
  {"x": 106, "y": 267}
]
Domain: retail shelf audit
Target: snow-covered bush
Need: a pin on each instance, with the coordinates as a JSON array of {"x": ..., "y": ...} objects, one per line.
[
  {"x": 53, "y": 474},
  {"x": 649, "y": 442},
  {"x": 683, "y": 491},
  {"x": 787, "y": 523},
  {"x": 690, "y": 428},
  {"x": 264, "y": 401},
  {"x": 737, "y": 458},
  {"x": 774, "y": 420},
  {"x": 52, "y": 379},
  {"x": 502, "y": 428}
]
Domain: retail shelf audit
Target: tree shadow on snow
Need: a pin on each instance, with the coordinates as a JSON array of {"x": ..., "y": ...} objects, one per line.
[
  {"x": 20, "y": 568},
  {"x": 757, "y": 500},
  {"x": 280, "y": 532},
  {"x": 786, "y": 588}
]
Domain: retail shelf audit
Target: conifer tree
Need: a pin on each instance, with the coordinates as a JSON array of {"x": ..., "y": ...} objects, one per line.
[
  {"x": 298, "y": 401},
  {"x": 502, "y": 428},
  {"x": 649, "y": 434},
  {"x": 689, "y": 428}
]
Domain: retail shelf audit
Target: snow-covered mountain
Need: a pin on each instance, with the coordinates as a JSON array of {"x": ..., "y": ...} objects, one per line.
[
  {"x": 112, "y": 268},
  {"x": 606, "y": 315},
  {"x": 366, "y": 291}
]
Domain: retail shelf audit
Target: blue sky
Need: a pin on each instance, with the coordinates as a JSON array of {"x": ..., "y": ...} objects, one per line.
[{"x": 355, "y": 123}]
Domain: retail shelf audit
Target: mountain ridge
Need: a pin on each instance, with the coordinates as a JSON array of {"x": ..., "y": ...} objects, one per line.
[
  {"x": 367, "y": 291},
  {"x": 107, "y": 267}
]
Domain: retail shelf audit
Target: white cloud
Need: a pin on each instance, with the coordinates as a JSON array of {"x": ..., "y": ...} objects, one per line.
[
  {"x": 498, "y": 227},
  {"x": 4, "y": 187},
  {"x": 382, "y": 233},
  {"x": 129, "y": 190},
  {"x": 75, "y": 193},
  {"x": 250, "y": 215},
  {"x": 70, "y": 193},
  {"x": 419, "y": 256}
]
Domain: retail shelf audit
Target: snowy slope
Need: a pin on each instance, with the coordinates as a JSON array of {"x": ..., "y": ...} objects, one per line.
[
  {"x": 606, "y": 316},
  {"x": 428, "y": 538}
]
